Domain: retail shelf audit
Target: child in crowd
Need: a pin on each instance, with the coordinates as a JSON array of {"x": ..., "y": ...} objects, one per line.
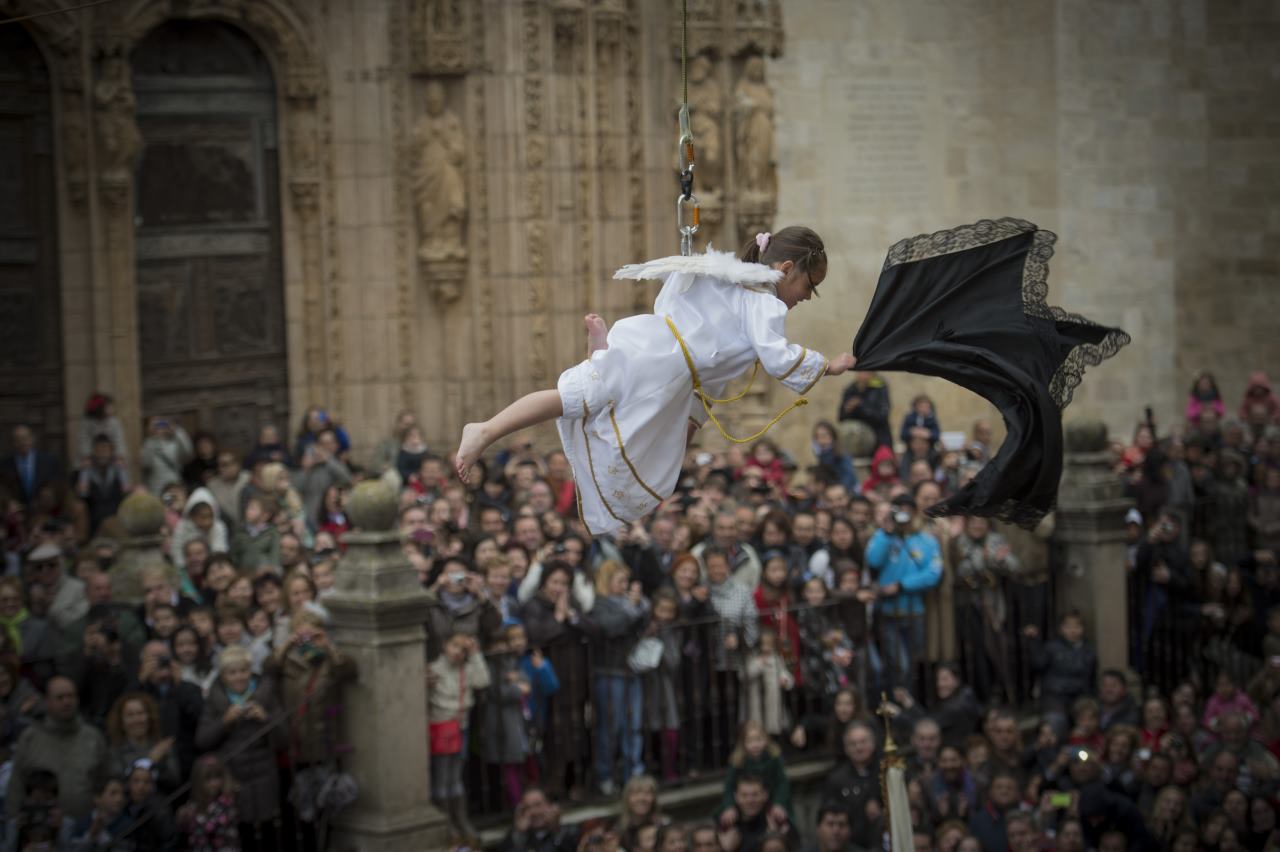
[
  {"x": 39, "y": 810},
  {"x": 544, "y": 684},
  {"x": 147, "y": 820},
  {"x": 204, "y": 621},
  {"x": 261, "y": 636},
  {"x": 764, "y": 457},
  {"x": 194, "y": 660},
  {"x": 322, "y": 574},
  {"x": 1086, "y": 725},
  {"x": 455, "y": 677},
  {"x": 1227, "y": 698},
  {"x": 209, "y": 820},
  {"x": 199, "y": 521},
  {"x": 1067, "y": 666},
  {"x": 256, "y": 541},
  {"x": 164, "y": 622},
  {"x": 106, "y": 822},
  {"x": 662, "y": 712},
  {"x": 505, "y": 743},
  {"x": 757, "y": 755},
  {"x": 768, "y": 677}
]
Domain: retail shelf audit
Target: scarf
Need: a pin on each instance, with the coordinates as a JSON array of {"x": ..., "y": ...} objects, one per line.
[
  {"x": 12, "y": 627},
  {"x": 241, "y": 697}
]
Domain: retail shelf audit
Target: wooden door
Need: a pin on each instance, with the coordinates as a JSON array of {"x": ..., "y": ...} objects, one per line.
[
  {"x": 31, "y": 386},
  {"x": 210, "y": 299}
]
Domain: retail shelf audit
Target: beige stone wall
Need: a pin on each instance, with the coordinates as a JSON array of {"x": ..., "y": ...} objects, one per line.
[{"x": 1135, "y": 131}]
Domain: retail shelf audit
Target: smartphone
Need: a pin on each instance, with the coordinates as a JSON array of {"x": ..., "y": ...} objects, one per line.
[{"x": 1060, "y": 800}]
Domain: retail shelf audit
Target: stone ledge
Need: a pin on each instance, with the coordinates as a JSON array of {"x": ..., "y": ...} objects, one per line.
[{"x": 699, "y": 797}]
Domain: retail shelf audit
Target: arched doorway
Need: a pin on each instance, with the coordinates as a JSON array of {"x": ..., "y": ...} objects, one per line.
[
  {"x": 211, "y": 325},
  {"x": 30, "y": 312}
]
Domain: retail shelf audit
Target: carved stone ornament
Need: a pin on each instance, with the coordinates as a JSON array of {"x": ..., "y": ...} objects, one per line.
[
  {"x": 119, "y": 139},
  {"x": 445, "y": 279},
  {"x": 441, "y": 34}
]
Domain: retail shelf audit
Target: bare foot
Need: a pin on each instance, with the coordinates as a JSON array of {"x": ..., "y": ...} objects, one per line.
[
  {"x": 597, "y": 333},
  {"x": 472, "y": 445}
]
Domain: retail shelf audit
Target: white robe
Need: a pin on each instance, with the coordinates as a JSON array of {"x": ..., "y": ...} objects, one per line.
[{"x": 626, "y": 408}]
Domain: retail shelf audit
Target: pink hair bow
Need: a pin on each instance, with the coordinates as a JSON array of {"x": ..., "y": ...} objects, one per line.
[{"x": 762, "y": 240}]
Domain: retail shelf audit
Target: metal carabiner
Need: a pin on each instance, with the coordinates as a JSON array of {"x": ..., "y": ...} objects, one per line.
[{"x": 688, "y": 216}]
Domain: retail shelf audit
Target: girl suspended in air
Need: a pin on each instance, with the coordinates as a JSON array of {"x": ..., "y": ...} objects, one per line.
[{"x": 626, "y": 414}]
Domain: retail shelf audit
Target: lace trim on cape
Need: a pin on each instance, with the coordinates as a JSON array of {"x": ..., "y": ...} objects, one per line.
[
  {"x": 716, "y": 264},
  {"x": 1035, "y": 289}
]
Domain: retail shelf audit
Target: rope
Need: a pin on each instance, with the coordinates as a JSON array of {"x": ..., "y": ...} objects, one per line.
[
  {"x": 54, "y": 12},
  {"x": 708, "y": 400},
  {"x": 684, "y": 50}
]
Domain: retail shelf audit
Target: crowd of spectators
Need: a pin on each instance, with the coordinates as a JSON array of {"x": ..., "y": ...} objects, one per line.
[{"x": 748, "y": 626}]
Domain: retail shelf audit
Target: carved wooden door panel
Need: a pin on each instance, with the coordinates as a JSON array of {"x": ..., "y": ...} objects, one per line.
[
  {"x": 210, "y": 299},
  {"x": 30, "y": 316}
]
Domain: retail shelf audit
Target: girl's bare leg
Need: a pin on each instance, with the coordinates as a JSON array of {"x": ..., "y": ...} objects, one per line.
[
  {"x": 528, "y": 410},
  {"x": 597, "y": 333}
]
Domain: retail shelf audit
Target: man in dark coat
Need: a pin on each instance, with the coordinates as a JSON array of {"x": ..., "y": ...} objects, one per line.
[
  {"x": 27, "y": 470},
  {"x": 1115, "y": 702},
  {"x": 855, "y": 784},
  {"x": 753, "y": 817},
  {"x": 536, "y": 826},
  {"x": 987, "y": 822},
  {"x": 867, "y": 400},
  {"x": 1102, "y": 812},
  {"x": 179, "y": 703}
]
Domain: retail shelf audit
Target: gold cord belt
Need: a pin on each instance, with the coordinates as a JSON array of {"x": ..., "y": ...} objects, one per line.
[{"x": 708, "y": 401}]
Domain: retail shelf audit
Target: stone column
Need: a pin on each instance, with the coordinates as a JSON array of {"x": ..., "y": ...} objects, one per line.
[
  {"x": 142, "y": 516},
  {"x": 1090, "y": 526},
  {"x": 377, "y": 613}
]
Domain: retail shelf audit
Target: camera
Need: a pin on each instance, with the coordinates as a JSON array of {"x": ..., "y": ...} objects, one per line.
[
  {"x": 901, "y": 518},
  {"x": 457, "y": 577},
  {"x": 109, "y": 632},
  {"x": 164, "y": 662}
]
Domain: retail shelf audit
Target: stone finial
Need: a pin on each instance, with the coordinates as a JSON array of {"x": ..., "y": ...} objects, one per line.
[
  {"x": 373, "y": 506},
  {"x": 1086, "y": 436},
  {"x": 141, "y": 514}
]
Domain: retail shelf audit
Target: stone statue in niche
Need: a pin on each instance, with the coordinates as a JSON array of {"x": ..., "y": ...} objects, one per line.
[
  {"x": 706, "y": 113},
  {"x": 753, "y": 144},
  {"x": 439, "y": 185},
  {"x": 119, "y": 139}
]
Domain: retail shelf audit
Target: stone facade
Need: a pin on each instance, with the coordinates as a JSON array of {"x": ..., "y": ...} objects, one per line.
[
  {"x": 457, "y": 180},
  {"x": 1136, "y": 131}
]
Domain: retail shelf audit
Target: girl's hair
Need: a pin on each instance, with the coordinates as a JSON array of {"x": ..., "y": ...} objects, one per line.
[
  {"x": 605, "y": 574},
  {"x": 683, "y": 559},
  {"x": 553, "y": 568},
  {"x": 234, "y": 655},
  {"x": 637, "y": 782},
  {"x": 796, "y": 243},
  {"x": 115, "y": 717},
  {"x": 665, "y": 595},
  {"x": 779, "y": 519},
  {"x": 1213, "y": 383},
  {"x": 293, "y": 577},
  {"x": 209, "y": 766},
  {"x": 14, "y": 583},
  {"x": 669, "y": 829},
  {"x": 202, "y": 662},
  {"x": 739, "y": 755}
]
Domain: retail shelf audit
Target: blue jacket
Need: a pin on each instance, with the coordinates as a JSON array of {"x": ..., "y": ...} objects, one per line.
[
  {"x": 545, "y": 684},
  {"x": 914, "y": 563}
]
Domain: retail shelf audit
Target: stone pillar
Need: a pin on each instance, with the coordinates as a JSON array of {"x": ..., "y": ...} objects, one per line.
[
  {"x": 377, "y": 613},
  {"x": 1090, "y": 527},
  {"x": 142, "y": 516}
]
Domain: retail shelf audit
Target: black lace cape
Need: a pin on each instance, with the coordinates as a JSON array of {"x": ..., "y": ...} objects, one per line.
[{"x": 969, "y": 305}]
